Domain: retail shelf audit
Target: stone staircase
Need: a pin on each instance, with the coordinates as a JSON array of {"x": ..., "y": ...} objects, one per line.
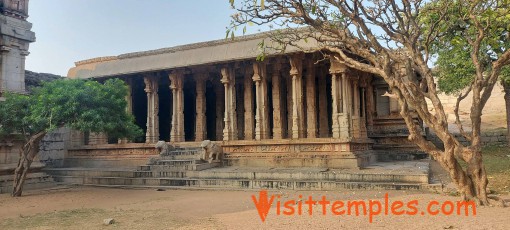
[{"x": 182, "y": 168}]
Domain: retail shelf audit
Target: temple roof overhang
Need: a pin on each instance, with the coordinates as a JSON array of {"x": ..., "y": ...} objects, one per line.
[{"x": 203, "y": 53}]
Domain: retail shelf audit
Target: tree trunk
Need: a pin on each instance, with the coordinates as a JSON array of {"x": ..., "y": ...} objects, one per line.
[
  {"x": 506, "y": 87},
  {"x": 27, "y": 154},
  {"x": 472, "y": 181}
]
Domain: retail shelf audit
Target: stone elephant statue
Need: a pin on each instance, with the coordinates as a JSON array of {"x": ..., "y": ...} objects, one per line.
[
  {"x": 164, "y": 148},
  {"x": 212, "y": 152}
]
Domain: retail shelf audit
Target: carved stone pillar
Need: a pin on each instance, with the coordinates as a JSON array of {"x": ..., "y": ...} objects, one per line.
[
  {"x": 370, "y": 108},
  {"x": 230, "y": 128},
  {"x": 356, "y": 126},
  {"x": 336, "y": 70},
  {"x": 261, "y": 113},
  {"x": 323, "y": 106},
  {"x": 249, "y": 119},
  {"x": 176, "y": 85},
  {"x": 151, "y": 88},
  {"x": 363, "y": 115},
  {"x": 297, "y": 94},
  {"x": 394, "y": 108},
  {"x": 220, "y": 109},
  {"x": 335, "y": 108},
  {"x": 266, "y": 131},
  {"x": 277, "y": 101},
  {"x": 288, "y": 82},
  {"x": 345, "y": 117},
  {"x": 311, "y": 107},
  {"x": 341, "y": 107},
  {"x": 201, "y": 125}
]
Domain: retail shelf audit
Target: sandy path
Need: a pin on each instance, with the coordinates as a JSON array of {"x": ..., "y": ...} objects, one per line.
[{"x": 85, "y": 208}]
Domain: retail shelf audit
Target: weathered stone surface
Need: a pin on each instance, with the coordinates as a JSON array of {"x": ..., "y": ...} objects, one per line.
[
  {"x": 164, "y": 148},
  {"x": 16, "y": 35},
  {"x": 108, "y": 221},
  {"x": 212, "y": 152}
]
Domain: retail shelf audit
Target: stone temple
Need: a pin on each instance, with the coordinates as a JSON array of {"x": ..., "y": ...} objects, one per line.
[
  {"x": 15, "y": 37},
  {"x": 294, "y": 109},
  {"x": 220, "y": 118}
]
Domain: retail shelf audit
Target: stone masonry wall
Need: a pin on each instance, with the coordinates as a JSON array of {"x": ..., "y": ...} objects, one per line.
[
  {"x": 488, "y": 138},
  {"x": 54, "y": 147}
]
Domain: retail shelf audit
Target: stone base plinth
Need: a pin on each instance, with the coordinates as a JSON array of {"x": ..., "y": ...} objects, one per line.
[{"x": 320, "y": 152}]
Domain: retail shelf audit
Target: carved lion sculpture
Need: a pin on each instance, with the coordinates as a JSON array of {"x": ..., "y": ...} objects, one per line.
[
  {"x": 212, "y": 151},
  {"x": 164, "y": 148}
]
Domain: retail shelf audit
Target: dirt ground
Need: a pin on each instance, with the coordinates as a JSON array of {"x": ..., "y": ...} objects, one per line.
[{"x": 87, "y": 207}]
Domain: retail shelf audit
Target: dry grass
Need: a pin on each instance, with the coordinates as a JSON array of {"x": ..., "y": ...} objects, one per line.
[{"x": 497, "y": 164}]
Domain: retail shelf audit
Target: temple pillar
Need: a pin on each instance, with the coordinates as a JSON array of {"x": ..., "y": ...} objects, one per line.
[
  {"x": 230, "y": 118},
  {"x": 151, "y": 88},
  {"x": 394, "y": 110},
  {"x": 277, "y": 101},
  {"x": 335, "y": 106},
  {"x": 311, "y": 107},
  {"x": 298, "y": 130},
  {"x": 344, "y": 119},
  {"x": 220, "y": 109},
  {"x": 356, "y": 126},
  {"x": 266, "y": 131},
  {"x": 261, "y": 113},
  {"x": 363, "y": 119},
  {"x": 341, "y": 105},
  {"x": 176, "y": 85},
  {"x": 201, "y": 122},
  {"x": 323, "y": 106},
  {"x": 370, "y": 107},
  {"x": 288, "y": 81},
  {"x": 248, "y": 104}
]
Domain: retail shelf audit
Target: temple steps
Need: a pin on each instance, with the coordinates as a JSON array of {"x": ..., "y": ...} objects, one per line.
[
  {"x": 233, "y": 184},
  {"x": 224, "y": 174},
  {"x": 234, "y": 178}
]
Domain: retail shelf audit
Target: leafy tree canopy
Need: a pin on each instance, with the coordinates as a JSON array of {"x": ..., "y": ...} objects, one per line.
[
  {"x": 77, "y": 104},
  {"x": 456, "y": 47}
]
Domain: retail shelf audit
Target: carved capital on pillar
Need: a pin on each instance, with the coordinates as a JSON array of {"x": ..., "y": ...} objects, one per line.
[
  {"x": 225, "y": 75},
  {"x": 336, "y": 66},
  {"x": 296, "y": 64},
  {"x": 151, "y": 84},
  {"x": 176, "y": 79},
  {"x": 5, "y": 49},
  {"x": 257, "y": 71}
]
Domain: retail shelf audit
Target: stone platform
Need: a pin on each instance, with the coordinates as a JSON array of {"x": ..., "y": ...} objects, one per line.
[
  {"x": 412, "y": 175},
  {"x": 35, "y": 178}
]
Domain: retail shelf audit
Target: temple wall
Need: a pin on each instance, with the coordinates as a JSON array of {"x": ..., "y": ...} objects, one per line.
[{"x": 54, "y": 147}]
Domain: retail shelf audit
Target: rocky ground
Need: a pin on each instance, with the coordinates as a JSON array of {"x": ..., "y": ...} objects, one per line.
[{"x": 86, "y": 208}]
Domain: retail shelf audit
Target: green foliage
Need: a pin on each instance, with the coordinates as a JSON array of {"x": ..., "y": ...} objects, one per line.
[
  {"x": 78, "y": 104},
  {"x": 455, "y": 69},
  {"x": 13, "y": 112},
  {"x": 458, "y": 31}
]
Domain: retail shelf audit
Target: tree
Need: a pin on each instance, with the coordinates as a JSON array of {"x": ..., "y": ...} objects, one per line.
[
  {"x": 77, "y": 104},
  {"x": 397, "y": 41},
  {"x": 456, "y": 72}
]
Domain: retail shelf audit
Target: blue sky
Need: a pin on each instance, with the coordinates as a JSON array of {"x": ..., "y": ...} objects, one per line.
[{"x": 73, "y": 30}]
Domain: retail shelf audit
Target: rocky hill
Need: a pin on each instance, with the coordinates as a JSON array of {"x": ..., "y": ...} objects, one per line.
[{"x": 33, "y": 79}]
